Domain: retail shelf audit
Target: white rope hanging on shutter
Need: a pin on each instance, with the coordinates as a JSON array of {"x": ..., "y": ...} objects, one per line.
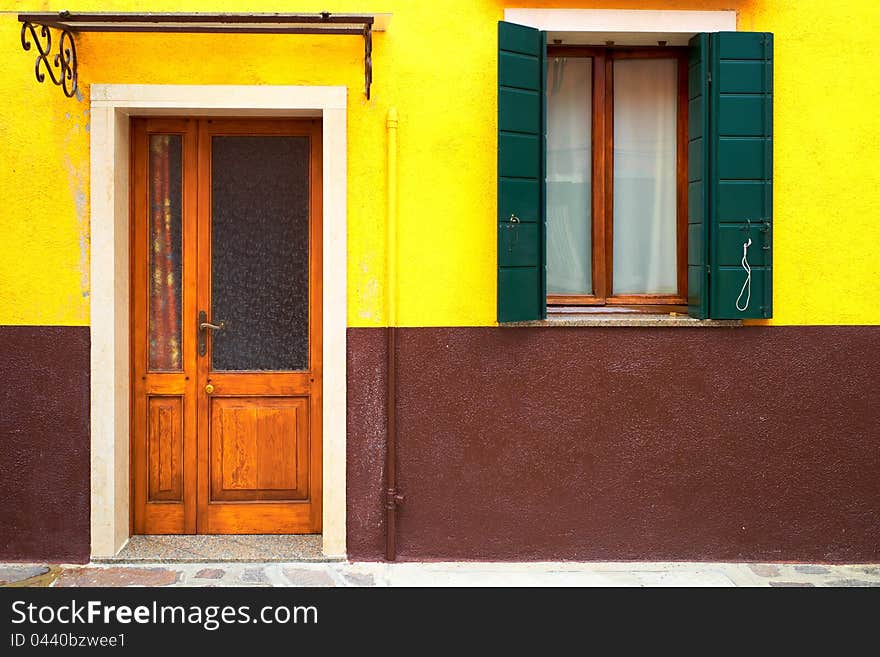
[{"x": 748, "y": 284}]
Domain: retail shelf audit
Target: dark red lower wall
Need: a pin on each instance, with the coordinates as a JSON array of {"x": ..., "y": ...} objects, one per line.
[
  {"x": 44, "y": 443},
  {"x": 757, "y": 443},
  {"x": 584, "y": 443}
]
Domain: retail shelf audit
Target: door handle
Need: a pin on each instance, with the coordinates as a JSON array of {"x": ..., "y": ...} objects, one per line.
[{"x": 204, "y": 325}]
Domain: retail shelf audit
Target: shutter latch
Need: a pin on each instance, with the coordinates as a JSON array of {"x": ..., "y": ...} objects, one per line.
[
  {"x": 514, "y": 220},
  {"x": 765, "y": 228}
]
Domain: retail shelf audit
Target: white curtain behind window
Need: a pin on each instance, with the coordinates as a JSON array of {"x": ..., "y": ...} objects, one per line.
[
  {"x": 569, "y": 171},
  {"x": 644, "y": 234}
]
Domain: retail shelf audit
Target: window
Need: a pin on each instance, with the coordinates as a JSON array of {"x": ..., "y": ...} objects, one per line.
[
  {"x": 616, "y": 176},
  {"x": 635, "y": 176}
]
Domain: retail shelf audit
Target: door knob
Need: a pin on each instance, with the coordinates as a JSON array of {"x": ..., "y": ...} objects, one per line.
[{"x": 209, "y": 388}]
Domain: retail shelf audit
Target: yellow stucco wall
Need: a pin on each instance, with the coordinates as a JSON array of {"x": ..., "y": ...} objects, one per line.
[{"x": 437, "y": 66}]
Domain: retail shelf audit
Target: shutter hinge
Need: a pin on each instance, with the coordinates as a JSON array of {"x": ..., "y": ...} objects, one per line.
[
  {"x": 708, "y": 270},
  {"x": 709, "y": 78}
]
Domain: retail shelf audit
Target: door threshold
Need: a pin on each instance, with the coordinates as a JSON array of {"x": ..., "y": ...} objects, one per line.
[{"x": 215, "y": 548}]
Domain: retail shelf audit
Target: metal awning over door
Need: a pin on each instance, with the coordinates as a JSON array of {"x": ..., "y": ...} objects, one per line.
[{"x": 61, "y": 63}]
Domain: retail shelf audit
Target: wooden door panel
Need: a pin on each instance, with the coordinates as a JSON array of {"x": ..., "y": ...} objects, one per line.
[
  {"x": 226, "y": 427},
  {"x": 260, "y": 380},
  {"x": 259, "y": 518},
  {"x": 274, "y": 384},
  {"x": 259, "y": 448},
  {"x": 163, "y": 419},
  {"x": 163, "y": 518},
  {"x": 165, "y": 440},
  {"x": 175, "y": 385}
]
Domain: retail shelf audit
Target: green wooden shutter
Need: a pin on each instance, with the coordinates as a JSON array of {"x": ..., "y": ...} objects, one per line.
[
  {"x": 521, "y": 163},
  {"x": 698, "y": 176},
  {"x": 730, "y": 174},
  {"x": 741, "y": 173}
]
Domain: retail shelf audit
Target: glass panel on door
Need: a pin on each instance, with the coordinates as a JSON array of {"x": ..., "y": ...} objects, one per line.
[
  {"x": 260, "y": 253},
  {"x": 165, "y": 189}
]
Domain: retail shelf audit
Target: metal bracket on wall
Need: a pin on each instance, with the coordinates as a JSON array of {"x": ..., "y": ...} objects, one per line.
[
  {"x": 36, "y": 30},
  {"x": 62, "y": 68}
]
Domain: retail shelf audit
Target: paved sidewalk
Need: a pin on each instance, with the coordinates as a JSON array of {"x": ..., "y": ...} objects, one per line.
[{"x": 439, "y": 574}]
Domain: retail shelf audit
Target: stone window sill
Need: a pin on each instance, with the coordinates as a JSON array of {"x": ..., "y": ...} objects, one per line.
[{"x": 607, "y": 319}]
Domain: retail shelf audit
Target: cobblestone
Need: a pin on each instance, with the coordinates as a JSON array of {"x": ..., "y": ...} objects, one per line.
[
  {"x": 791, "y": 584},
  {"x": 359, "y": 579},
  {"x": 812, "y": 570},
  {"x": 868, "y": 570},
  {"x": 852, "y": 583},
  {"x": 254, "y": 576},
  {"x": 764, "y": 570},
  {"x": 311, "y": 577}
]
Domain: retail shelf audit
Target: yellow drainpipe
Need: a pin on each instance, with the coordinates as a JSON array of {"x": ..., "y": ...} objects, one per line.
[{"x": 391, "y": 125}]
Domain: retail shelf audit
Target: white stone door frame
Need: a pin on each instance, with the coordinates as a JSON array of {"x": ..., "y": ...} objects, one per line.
[{"x": 112, "y": 106}]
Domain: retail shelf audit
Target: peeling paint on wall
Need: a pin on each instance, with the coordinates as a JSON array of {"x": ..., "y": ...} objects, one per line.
[
  {"x": 370, "y": 292},
  {"x": 77, "y": 182}
]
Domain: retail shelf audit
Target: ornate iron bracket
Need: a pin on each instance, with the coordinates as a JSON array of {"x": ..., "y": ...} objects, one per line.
[
  {"x": 36, "y": 30},
  {"x": 62, "y": 68}
]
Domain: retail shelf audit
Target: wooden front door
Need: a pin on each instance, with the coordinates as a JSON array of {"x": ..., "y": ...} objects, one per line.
[{"x": 226, "y": 326}]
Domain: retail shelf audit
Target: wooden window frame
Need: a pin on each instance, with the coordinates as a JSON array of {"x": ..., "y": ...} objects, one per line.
[{"x": 603, "y": 175}]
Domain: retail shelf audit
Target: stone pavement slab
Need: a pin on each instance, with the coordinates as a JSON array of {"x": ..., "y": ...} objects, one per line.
[
  {"x": 343, "y": 574},
  {"x": 16, "y": 573},
  {"x": 117, "y": 576}
]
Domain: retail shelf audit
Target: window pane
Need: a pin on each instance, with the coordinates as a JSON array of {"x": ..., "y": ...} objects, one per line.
[
  {"x": 165, "y": 265},
  {"x": 644, "y": 234},
  {"x": 569, "y": 172},
  {"x": 260, "y": 252}
]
